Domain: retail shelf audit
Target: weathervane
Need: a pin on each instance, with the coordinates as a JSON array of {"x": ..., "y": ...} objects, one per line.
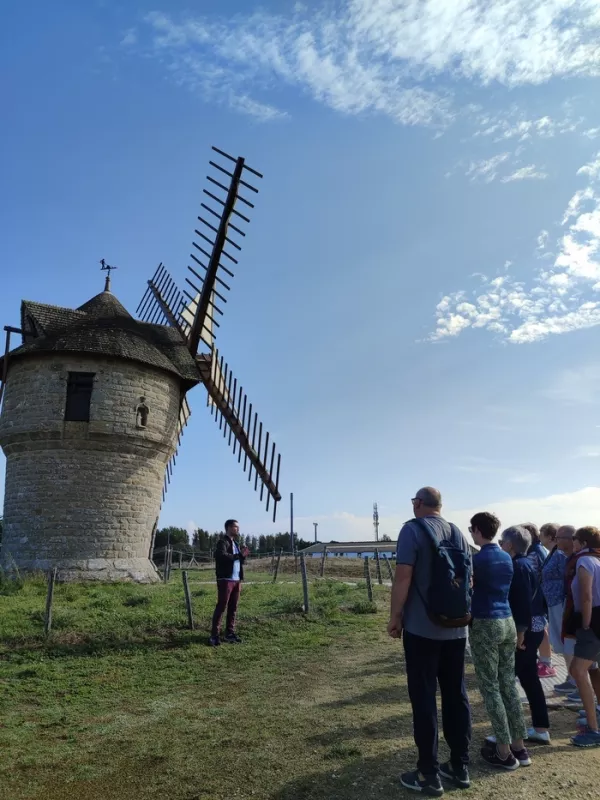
[{"x": 107, "y": 267}]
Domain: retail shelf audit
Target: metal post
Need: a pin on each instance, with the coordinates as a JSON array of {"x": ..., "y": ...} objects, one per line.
[
  {"x": 304, "y": 582},
  {"x": 292, "y": 521},
  {"x": 389, "y": 567},
  {"x": 188, "y": 599},
  {"x": 368, "y": 580},
  {"x": 378, "y": 565},
  {"x": 277, "y": 564},
  {"x": 323, "y": 562},
  {"x": 295, "y": 562},
  {"x": 49, "y": 601},
  {"x": 316, "y": 524}
]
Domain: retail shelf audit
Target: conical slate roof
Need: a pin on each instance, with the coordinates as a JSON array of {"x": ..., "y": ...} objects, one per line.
[
  {"x": 103, "y": 326},
  {"x": 105, "y": 305}
]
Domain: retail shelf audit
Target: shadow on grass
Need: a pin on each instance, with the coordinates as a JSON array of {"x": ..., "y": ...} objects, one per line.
[
  {"x": 388, "y": 728},
  {"x": 379, "y": 777},
  {"x": 383, "y": 696}
]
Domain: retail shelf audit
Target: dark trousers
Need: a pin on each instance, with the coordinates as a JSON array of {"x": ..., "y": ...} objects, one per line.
[
  {"x": 430, "y": 662},
  {"x": 526, "y": 671},
  {"x": 228, "y": 595}
]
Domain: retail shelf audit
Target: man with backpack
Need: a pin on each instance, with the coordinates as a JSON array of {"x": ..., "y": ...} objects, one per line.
[{"x": 431, "y": 602}]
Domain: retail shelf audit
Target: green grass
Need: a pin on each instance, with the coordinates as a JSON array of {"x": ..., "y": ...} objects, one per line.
[{"x": 121, "y": 702}]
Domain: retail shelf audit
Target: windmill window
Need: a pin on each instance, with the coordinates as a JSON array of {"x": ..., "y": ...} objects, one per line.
[{"x": 79, "y": 396}]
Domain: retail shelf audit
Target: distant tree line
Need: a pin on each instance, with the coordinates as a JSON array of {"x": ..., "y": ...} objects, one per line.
[{"x": 205, "y": 542}]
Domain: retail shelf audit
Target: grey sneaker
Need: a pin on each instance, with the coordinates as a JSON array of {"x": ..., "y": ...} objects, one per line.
[{"x": 214, "y": 641}]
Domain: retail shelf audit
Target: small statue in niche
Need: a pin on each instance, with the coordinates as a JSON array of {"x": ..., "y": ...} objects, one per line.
[{"x": 142, "y": 412}]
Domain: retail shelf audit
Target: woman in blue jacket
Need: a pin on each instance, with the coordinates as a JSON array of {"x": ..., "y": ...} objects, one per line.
[
  {"x": 527, "y": 605},
  {"x": 493, "y": 639}
]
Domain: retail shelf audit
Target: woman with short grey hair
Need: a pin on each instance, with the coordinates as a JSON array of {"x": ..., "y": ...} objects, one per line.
[{"x": 527, "y": 605}]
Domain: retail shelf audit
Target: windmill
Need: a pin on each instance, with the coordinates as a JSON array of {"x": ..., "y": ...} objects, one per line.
[{"x": 193, "y": 313}]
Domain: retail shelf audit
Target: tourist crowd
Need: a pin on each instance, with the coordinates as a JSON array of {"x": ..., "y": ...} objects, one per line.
[{"x": 515, "y": 601}]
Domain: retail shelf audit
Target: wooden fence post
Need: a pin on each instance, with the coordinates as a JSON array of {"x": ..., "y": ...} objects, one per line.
[
  {"x": 304, "y": 582},
  {"x": 390, "y": 571},
  {"x": 49, "y": 601},
  {"x": 188, "y": 599},
  {"x": 277, "y": 564},
  {"x": 323, "y": 559},
  {"x": 180, "y": 559},
  {"x": 168, "y": 559},
  {"x": 368, "y": 580},
  {"x": 378, "y": 566}
]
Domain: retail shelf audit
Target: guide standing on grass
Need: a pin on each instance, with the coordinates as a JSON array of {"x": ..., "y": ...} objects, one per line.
[
  {"x": 229, "y": 566},
  {"x": 431, "y": 599}
]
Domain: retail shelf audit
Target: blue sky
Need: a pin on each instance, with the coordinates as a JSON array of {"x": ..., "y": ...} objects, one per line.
[{"x": 418, "y": 296}]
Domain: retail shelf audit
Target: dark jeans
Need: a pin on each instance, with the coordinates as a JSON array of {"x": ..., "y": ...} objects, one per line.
[
  {"x": 429, "y": 662},
  {"x": 228, "y": 595},
  {"x": 526, "y": 672}
]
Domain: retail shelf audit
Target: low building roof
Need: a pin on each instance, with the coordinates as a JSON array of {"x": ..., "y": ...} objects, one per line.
[{"x": 351, "y": 547}]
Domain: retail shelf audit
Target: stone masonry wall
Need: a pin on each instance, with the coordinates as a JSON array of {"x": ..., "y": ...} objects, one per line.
[{"x": 85, "y": 496}]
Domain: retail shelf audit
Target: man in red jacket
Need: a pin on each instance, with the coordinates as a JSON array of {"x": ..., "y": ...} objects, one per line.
[{"x": 229, "y": 566}]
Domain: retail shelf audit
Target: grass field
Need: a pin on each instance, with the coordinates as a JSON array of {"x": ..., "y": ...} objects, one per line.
[{"x": 123, "y": 703}]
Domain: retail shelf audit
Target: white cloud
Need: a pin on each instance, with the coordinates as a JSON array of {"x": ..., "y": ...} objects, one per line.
[
  {"x": 383, "y": 56},
  {"x": 592, "y": 133},
  {"x": 486, "y": 170},
  {"x": 555, "y": 302},
  {"x": 130, "y": 38},
  {"x": 512, "y": 125},
  {"x": 525, "y": 173},
  {"x": 587, "y": 451},
  {"x": 592, "y": 169}
]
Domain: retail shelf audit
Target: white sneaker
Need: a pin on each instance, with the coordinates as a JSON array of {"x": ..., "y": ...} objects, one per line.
[{"x": 536, "y": 736}]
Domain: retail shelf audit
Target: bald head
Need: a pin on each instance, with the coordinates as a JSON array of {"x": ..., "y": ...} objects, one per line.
[{"x": 427, "y": 501}]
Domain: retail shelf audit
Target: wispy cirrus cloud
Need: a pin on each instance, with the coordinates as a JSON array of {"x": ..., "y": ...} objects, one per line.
[
  {"x": 560, "y": 298},
  {"x": 529, "y": 172},
  {"x": 378, "y": 55}
]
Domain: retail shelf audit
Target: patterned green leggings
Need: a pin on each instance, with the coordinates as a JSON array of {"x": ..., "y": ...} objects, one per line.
[{"x": 493, "y": 644}]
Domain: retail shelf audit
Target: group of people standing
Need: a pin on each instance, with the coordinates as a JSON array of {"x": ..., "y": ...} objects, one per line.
[{"x": 533, "y": 592}]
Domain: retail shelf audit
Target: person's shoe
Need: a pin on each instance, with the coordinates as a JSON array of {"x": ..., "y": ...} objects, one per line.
[
  {"x": 491, "y": 756},
  {"x": 540, "y": 737},
  {"x": 565, "y": 688},
  {"x": 429, "y": 785},
  {"x": 214, "y": 641},
  {"x": 586, "y": 738},
  {"x": 522, "y": 757},
  {"x": 458, "y": 775},
  {"x": 574, "y": 698},
  {"x": 546, "y": 671},
  {"x": 232, "y": 638}
]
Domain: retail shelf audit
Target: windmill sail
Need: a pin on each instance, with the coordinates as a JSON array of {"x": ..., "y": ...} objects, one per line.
[
  {"x": 235, "y": 416},
  {"x": 194, "y": 314}
]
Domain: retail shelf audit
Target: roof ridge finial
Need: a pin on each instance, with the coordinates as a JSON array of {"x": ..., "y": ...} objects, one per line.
[{"x": 106, "y": 267}]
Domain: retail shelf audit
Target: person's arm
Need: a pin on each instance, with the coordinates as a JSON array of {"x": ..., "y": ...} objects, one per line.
[
  {"x": 406, "y": 558},
  {"x": 400, "y": 589},
  {"x": 585, "y": 583},
  {"x": 519, "y": 598},
  {"x": 221, "y": 553}
]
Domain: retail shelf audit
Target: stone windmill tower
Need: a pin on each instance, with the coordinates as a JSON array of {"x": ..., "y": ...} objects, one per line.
[{"x": 94, "y": 404}]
